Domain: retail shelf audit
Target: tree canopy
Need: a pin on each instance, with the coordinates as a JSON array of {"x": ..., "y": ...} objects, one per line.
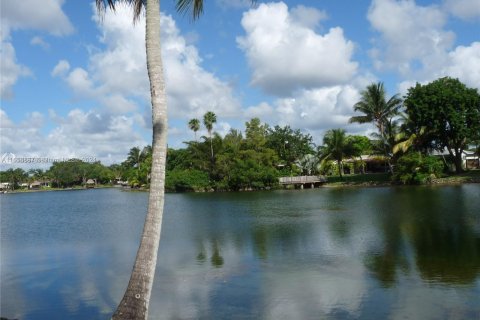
[{"x": 450, "y": 112}]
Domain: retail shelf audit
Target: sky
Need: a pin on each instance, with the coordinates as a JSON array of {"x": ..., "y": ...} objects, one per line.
[{"x": 75, "y": 85}]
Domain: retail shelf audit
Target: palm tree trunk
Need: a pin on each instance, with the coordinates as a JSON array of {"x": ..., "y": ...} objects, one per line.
[
  {"x": 211, "y": 146},
  {"x": 135, "y": 302}
]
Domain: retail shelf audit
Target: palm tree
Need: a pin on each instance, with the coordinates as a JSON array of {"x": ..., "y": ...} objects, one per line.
[
  {"x": 194, "y": 125},
  {"x": 134, "y": 157},
  {"x": 376, "y": 108},
  {"x": 209, "y": 119},
  {"x": 336, "y": 147},
  {"x": 135, "y": 302}
]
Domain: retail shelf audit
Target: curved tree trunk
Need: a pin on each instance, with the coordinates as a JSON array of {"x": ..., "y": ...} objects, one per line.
[
  {"x": 340, "y": 168},
  {"x": 134, "y": 304}
]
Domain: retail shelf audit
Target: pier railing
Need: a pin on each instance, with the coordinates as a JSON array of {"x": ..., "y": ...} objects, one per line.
[{"x": 302, "y": 179}]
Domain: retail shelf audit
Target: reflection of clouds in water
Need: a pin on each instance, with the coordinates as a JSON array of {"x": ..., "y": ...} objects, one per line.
[
  {"x": 75, "y": 280},
  {"x": 183, "y": 287},
  {"x": 425, "y": 302},
  {"x": 216, "y": 261},
  {"x": 318, "y": 292}
]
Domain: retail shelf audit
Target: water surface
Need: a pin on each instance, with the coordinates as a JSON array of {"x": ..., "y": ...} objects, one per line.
[{"x": 373, "y": 253}]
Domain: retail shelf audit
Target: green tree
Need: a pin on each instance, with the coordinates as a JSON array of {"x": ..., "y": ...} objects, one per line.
[
  {"x": 134, "y": 157},
  {"x": 449, "y": 112},
  {"x": 209, "y": 119},
  {"x": 69, "y": 173},
  {"x": 335, "y": 147},
  {"x": 256, "y": 134},
  {"x": 359, "y": 145},
  {"x": 308, "y": 164},
  {"x": 290, "y": 145},
  {"x": 194, "y": 125},
  {"x": 375, "y": 107},
  {"x": 415, "y": 168},
  {"x": 14, "y": 177}
]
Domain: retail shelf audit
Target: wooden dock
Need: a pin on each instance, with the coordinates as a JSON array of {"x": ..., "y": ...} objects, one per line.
[{"x": 301, "y": 181}]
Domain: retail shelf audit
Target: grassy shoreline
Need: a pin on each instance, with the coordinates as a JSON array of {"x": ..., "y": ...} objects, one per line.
[
  {"x": 384, "y": 179},
  {"x": 46, "y": 189}
]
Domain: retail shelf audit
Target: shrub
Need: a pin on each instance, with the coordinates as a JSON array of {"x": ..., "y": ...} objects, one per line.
[
  {"x": 415, "y": 168},
  {"x": 186, "y": 180}
]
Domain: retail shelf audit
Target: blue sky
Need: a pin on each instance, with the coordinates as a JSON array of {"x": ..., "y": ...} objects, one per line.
[{"x": 73, "y": 85}]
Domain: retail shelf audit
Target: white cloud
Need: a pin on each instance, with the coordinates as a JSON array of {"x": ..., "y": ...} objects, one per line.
[
  {"x": 80, "y": 82},
  {"x": 285, "y": 53},
  {"x": 79, "y": 134},
  {"x": 415, "y": 43},
  {"x": 61, "y": 68},
  {"x": 10, "y": 70},
  {"x": 117, "y": 75},
  {"x": 465, "y": 9},
  {"x": 38, "y": 41},
  {"x": 307, "y": 17},
  {"x": 27, "y": 14},
  {"x": 318, "y": 109},
  {"x": 262, "y": 111},
  {"x": 314, "y": 110},
  {"x": 192, "y": 90},
  {"x": 464, "y": 63},
  {"x": 17, "y": 15},
  {"x": 411, "y": 35}
]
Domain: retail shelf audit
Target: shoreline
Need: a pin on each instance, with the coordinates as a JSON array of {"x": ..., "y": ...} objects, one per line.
[
  {"x": 53, "y": 189},
  {"x": 463, "y": 178}
]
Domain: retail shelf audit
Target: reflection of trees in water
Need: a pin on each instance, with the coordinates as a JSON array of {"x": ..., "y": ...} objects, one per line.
[
  {"x": 386, "y": 262},
  {"x": 216, "y": 258},
  {"x": 447, "y": 253},
  {"x": 434, "y": 225},
  {"x": 264, "y": 239}
]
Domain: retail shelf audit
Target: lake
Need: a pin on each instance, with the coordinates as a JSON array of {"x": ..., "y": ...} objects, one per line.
[{"x": 329, "y": 253}]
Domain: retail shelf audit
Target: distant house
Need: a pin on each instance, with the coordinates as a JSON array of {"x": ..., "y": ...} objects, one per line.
[
  {"x": 35, "y": 185},
  {"x": 5, "y": 186},
  {"x": 24, "y": 185},
  {"x": 370, "y": 163},
  {"x": 470, "y": 160},
  {"x": 90, "y": 184}
]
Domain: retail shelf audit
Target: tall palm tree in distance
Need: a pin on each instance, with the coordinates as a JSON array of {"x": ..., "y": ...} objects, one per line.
[
  {"x": 135, "y": 302},
  {"x": 335, "y": 147},
  {"x": 194, "y": 125},
  {"x": 376, "y": 108},
  {"x": 209, "y": 119}
]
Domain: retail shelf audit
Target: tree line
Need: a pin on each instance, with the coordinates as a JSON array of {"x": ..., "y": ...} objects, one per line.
[{"x": 442, "y": 115}]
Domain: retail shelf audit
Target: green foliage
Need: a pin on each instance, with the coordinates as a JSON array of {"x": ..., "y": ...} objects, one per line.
[
  {"x": 194, "y": 125},
  {"x": 449, "y": 111},
  {"x": 256, "y": 134},
  {"x": 336, "y": 147},
  {"x": 375, "y": 107},
  {"x": 360, "y": 145},
  {"x": 289, "y": 145},
  {"x": 13, "y": 176},
  {"x": 180, "y": 180},
  {"x": 415, "y": 168},
  {"x": 76, "y": 172}
]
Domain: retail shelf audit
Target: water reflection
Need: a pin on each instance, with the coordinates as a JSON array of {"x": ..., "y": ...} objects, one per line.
[
  {"x": 329, "y": 253},
  {"x": 433, "y": 232}
]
